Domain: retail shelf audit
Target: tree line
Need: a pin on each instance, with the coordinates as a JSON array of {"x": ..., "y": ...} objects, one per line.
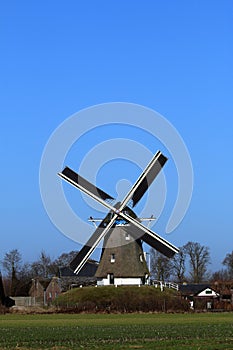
[
  {"x": 189, "y": 265},
  {"x": 17, "y": 274}
]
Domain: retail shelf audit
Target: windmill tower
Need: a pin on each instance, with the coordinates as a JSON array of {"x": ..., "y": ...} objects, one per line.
[{"x": 122, "y": 259}]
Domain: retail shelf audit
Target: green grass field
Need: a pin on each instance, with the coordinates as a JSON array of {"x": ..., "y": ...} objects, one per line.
[{"x": 117, "y": 331}]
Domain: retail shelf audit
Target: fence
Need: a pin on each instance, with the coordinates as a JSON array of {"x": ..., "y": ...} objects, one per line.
[
  {"x": 26, "y": 301},
  {"x": 163, "y": 284}
]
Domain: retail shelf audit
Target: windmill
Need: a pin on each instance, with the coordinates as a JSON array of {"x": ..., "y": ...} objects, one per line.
[{"x": 122, "y": 260}]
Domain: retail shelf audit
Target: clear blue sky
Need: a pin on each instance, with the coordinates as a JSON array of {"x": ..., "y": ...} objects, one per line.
[{"x": 60, "y": 57}]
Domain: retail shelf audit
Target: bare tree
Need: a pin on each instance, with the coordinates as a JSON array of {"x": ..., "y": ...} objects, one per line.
[
  {"x": 11, "y": 263},
  {"x": 26, "y": 272},
  {"x": 221, "y": 275},
  {"x": 199, "y": 258},
  {"x": 228, "y": 262},
  {"x": 65, "y": 258},
  {"x": 43, "y": 267},
  {"x": 161, "y": 266},
  {"x": 178, "y": 265}
]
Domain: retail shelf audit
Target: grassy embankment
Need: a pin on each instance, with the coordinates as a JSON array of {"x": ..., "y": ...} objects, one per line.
[{"x": 121, "y": 299}]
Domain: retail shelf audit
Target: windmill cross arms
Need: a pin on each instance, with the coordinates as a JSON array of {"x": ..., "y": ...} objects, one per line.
[
  {"x": 136, "y": 192},
  {"x": 78, "y": 181},
  {"x": 145, "y": 233}
]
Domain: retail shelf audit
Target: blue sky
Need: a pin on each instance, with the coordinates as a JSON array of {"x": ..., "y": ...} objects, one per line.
[{"x": 172, "y": 56}]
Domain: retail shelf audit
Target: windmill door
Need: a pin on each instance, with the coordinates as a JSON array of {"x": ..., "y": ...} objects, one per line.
[{"x": 111, "y": 278}]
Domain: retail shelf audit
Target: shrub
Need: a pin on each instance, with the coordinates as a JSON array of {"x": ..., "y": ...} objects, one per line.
[{"x": 3, "y": 309}]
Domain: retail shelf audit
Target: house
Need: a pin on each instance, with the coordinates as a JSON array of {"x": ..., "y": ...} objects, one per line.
[
  {"x": 199, "y": 295},
  {"x": 53, "y": 289},
  {"x": 44, "y": 291}
]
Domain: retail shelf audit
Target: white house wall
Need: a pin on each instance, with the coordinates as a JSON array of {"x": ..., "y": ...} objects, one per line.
[
  {"x": 208, "y": 292},
  {"x": 120, "y": 282},
  {"x": 127, "y": 281},
  {"x": 103, "y": 282}
]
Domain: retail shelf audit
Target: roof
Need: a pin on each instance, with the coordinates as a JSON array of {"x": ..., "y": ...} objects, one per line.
[
  {"x": 121, "y": 255},
  {"x": 44, "y": 282},
  {"x": 193, "y": 288},
  {"x": 88, "y": 270}
]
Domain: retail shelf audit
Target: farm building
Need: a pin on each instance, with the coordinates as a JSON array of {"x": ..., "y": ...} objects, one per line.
[
  {"x": 201, "y": 294},
  {"x": 44, "y": 291}
]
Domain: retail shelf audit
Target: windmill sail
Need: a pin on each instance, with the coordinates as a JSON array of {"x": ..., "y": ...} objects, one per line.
[
  {"x": 148, "y": 176},
  {"x": 152, "y": 239},
  {"x": 75, "y": 179}
]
